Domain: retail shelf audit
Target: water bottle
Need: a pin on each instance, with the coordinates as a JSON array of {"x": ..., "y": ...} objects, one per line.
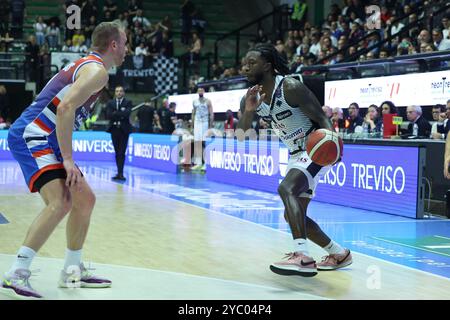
[{"x": 365, "y": 130}]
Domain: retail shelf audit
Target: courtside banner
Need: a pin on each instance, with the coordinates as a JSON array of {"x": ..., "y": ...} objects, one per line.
[
  {"x": 151, "y": 151},
  {"x": 378, "y": 178},
  {"x": 424, "y": 89}
]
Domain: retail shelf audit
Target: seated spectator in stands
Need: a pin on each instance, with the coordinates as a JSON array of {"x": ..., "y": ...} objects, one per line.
[
  {"x": 141, "y": 20},
  {"x": 53, "y": 35},
  {"x": 372, "y": 120},
  {"x": 337, "y": 119},
  {"x": 39, "y": 31},
  {"x": 424, "y": 37},
  {"x": 355, "y": 119},
  {"x": 78, "y": 38},
  {"x": 168, "y": 118},
  {"x": 88, "y": 9},
  {"x": 141, "y": 50},
  {"x": 108, "y": 16},
  {"x": 123, "y": 20},
  {"x": 388, "y": 107},
  {"x": 384, "y": 53},
  {"x": 356, "y": 32},
  {"x": 445, "y": 27},
  {"x": 419, "y": 127},
  {"x": 230, "y": 124},
  {"x": 315, "y": 44},
  {"x": 133, "y": 7},
  {"x": 445, "y": 127},
  {"x": 111, "y": 7},
  {"x": 68, "y": 47},
  {"x": 166, "y": 45},
  {"x": 438, "y": 40},
  {"x": 83, "y": 48},
  {"x": 146, "y": 117},
  {"x": 439, "y": 116},
  {"x": 328, "y": 111},
  {"x": 431, "y": 48}
]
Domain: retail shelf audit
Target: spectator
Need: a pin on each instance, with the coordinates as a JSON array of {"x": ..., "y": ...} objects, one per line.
[
  {"x": 123, "y": 20},
  {"x": 439, "y": 42},
  {"x": 187, "y": 9},
  {"x": 53, "y": 35},
  {"x": 32, "y": 58},
  {"x": 133, "y": 7},
  {"x": 384, "y": 53},
  {"x": 445, "y": 127},
  {"x": 111, "y": 7},
  {"x": 337, "y": 119},
  {"x": 78, "y": 38},
  {"x": 261, "y": 36},
  {"x": 4, "y": 105},
  {"x": 230, "y": 124},
  {"x": 445, "y": 24},
  {"x": 315, "y": 44},
  {"x": 17, "y": 14},
  {"x": 196, "y": 47},
  {"x": 328, "y": 111},
  {"x": 88, "y": 9},
  {"x": 68, "y": 47},
  {"x": 355, "y": 120},
  {"x": 418, "y": 126},
  {"x": 108, "y": 16},
  {"x": 168, "y": 117},
  {"x": 141, "y": 21},
  {"x": 5, "y": 9},
  {"x": 39, "y": 29},
  {"x": 157, "y": 128},
  {"x": 146, "y": 117},
  {"x": 424, "y": 37},
  {"x": 438, "y": 112},
  {"x": 372, "y": 120},
  {"x": 141, "y": 50},
  {"x": 167, "y": 45}
]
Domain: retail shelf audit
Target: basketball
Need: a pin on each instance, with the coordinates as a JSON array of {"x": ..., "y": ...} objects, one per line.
[{"x": 324, "y": 147}]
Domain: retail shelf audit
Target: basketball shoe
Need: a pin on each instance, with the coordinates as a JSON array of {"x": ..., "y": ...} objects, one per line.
[
  {"x": 18, "y": 286},
  {"x": 335, "y": 261},
  {"x": 82, "y": 279},
  {"x": 296, "y": 264}
]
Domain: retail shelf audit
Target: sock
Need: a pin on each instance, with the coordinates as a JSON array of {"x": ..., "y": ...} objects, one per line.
[
  {"x": 23, "y": 259},
  {"x": 73, "y": 258},
  {"x": 300, "y": 245},
  {"x": 334, "y": 248}
]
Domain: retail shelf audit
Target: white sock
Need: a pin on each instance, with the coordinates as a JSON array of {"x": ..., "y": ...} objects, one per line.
[
  {"x": 301, "y": 245},
  {"x": 73, "y": 258},
  {"x": 23, "y": 259},
  {"x": 334, "y": 248}
]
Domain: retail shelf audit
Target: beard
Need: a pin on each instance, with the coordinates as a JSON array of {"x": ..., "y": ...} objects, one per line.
[{"x": 257, "y": 79}]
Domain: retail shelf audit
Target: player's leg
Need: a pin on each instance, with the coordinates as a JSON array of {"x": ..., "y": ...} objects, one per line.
[
  {"x": 299, "y": 262},
  {"x": 57, "y": 200},
  {"x": 74, "y": 273}
]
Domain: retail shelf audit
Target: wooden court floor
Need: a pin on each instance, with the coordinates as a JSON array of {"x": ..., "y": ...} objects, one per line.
[{"x": 153, "y": 247}]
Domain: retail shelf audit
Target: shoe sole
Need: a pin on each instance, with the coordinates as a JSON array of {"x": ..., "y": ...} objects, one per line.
[
  {"x": 12, "y": 294},
  {"x": 342, "y": 265},
  {"x": 292, "y": 272},
  {"x": 63, "y": 285}
]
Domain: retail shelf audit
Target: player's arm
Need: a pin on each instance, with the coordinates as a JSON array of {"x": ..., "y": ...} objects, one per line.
[
  {"x": 298, "y": 95},
  {"x": 211, "y": 113},
  {"x": 447, "y": 158},
  {"x": 249, "y": 106},
  {"x": 91, "y": 78}
]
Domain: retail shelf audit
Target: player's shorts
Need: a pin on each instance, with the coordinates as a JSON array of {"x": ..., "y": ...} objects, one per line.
[
  {"x": 200, "y": 130},
  {"x": 312, "y": 171},
  {"x": 39, "y": 158}
]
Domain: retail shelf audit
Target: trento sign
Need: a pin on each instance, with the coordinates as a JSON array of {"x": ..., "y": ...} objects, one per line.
[
  {"x": 378, "y": 178},
  {"x": 424, "y": 89},
  {"x": 156, "y": 152}
]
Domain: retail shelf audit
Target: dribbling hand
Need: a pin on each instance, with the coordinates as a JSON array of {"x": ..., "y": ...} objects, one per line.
[{"x": 251, "y": 98}]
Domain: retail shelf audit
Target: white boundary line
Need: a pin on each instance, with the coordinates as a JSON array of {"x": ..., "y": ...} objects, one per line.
[{"x": 183, "y": 274}]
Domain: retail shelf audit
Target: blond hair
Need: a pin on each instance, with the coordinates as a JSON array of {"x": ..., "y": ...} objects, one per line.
[{"x": 104, "y": 33}]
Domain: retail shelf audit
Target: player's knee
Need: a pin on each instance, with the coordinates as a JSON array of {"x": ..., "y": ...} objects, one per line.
[
  {"x": 89, "y": 200},
  {"x": 285, "y": 189},
  {"x": 60, "y": 207}
]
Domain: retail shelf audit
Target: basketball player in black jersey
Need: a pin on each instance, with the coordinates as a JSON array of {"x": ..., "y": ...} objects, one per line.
[{"x": 293, "y": 112}]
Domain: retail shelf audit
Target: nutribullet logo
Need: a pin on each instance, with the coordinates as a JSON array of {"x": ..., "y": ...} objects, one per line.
[{"x": 74, "y": 17}]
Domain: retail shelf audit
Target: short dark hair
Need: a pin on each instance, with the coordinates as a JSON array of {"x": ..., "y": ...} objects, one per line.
[
  {"x": 354, "y": 104},
  {"x": 440, "y": 106}
]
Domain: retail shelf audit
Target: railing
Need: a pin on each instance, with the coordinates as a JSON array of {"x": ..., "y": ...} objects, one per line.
[{"x": 277, "y": 14}]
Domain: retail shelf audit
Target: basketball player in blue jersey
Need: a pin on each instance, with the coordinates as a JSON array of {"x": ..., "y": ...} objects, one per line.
[
  {"x": 41, "y": 141},
  {"x": 293, "y": 112}
]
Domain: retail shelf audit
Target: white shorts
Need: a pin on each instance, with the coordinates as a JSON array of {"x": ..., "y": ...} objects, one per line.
[
  {"x": 313, "y": 171},
  {"x": 200, "y": 129}
]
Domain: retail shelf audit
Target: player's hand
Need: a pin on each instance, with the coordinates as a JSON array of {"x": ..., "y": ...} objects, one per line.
[
  {"x": 73, "y": 173},
  {"x": 251, "y": 98},
  {"x": 446, "y": 168}
]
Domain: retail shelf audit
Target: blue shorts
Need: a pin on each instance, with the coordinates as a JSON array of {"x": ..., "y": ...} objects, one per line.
[{"x": 36, "y": 155}]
